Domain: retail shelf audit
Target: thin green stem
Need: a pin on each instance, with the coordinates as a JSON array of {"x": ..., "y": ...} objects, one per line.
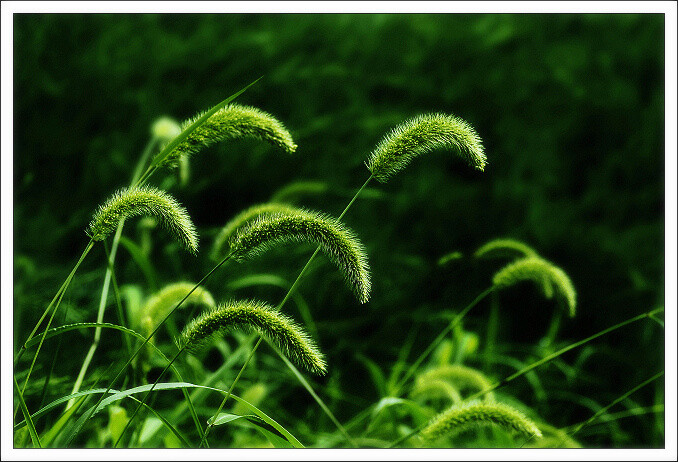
[
  {"x": 109, "y": 274},
  {"x": 550, "y": 337},
  {"x": 118, "y": 304},
  {"x": 457, "y": 319},
  {"x": 143, "y": 401},
  {"x": 618, "y": 400},
  {"x": 142, "y": 161},
  {"x": 100, "y": 314},
  {"x": 315, "y": 396},
  {"x": 210, "y": 424},
  {"x": 54, "y": 311},
  {"x": 536, "y": 364},
  {"x": 63, "y": 287},
  {"x": 27, "y": 416}
]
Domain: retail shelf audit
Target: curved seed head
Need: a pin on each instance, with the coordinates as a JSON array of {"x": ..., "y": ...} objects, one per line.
[
  {"x": 436, "y": 388},
  {"x": 462, "y": 417},
  {"x": 281, "y": 330},
  {"x": 231, "y": 122},
  {"x": 505, "y": 247},
  {"x": 462, "y": 377},
  {"x": 421, "y": 135},
  {"x": 338, "y": 242},
  {"x": 550, "y": 278},
  {"x": 145, "y": 200},
  {"x": 241, "y": 219}
]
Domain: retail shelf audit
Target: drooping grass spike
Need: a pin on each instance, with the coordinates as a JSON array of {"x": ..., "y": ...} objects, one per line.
[
  {"x": 463, "y": 417},
  {"x": 505, "y": 247},
  {"x": 463, "y": 377},
  {"x": 145, "y": 200},
  {"x": 338, "y": 242},
  {"x": 281, "y": 330},
  {"x": 436, "y": 388},
  {"x": 423, "y": 134},
  {"x": 161, "y": 303},
  {"x": 231, "y": 122},
  {"x": 240, "y": 219},
  {"x": 550, "y": 278}
]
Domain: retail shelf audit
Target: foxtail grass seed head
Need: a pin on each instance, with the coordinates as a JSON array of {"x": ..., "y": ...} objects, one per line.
[
  {"x": 161, "y": 303},
  {"x": 462, "y": 377},
  {"x": 294, "y": 342},
  {"x": 421, "y": 135},
  {"x": 232, "y": 122},
  {"x": 436, "y": 388},
  {"x": 505, "y": 247},
  {"x": 550, "y": 278},
  {"x": 145, "y": 200},
  {"x": 241, "y": 219},
  {"x": 463, "y": 417},
  {"x": 338, "y": 242},
  {"x": 165, "y": 129}
]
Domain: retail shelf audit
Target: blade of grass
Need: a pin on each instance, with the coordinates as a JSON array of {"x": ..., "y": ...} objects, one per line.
[
  {"x": 27, "y": 416},
  {"x": 616, "y": 401},
  {"x": 54, "y": 311},
  {"x": 118, "y": 395}
]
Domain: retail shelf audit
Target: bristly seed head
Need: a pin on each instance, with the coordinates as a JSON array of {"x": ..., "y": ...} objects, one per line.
[
  {"x": 505, "y": 247},
  {"x": 462, "y": 417},
  {"x": 243, "y": 218},
  {"x": 546, "y": 274},
  {"x": 243, "y": 315},
  {"x": 131, "y": 202},
  {"x": 338, "y": 242},
  {"x": 231, "y": 122},
  {"x": 423, "y": 134}
]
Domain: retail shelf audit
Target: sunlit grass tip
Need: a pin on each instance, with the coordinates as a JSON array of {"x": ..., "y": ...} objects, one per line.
[
  {"x": 145, "y": 200},
  {"x": 548, "y": 276},
  {"x": 463, "y": 417},
  {"x": 505, "y": 247},
  {"x": 463, "y": 377},
  {"x": 423, "y": 134},
  {"x": 294, "y": 342},
  {"x": 232, "y": 122},
  {"x": 337, "y": 241}
]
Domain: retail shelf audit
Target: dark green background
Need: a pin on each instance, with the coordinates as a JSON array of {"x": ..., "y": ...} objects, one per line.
[{"x": 570, "y": 108}]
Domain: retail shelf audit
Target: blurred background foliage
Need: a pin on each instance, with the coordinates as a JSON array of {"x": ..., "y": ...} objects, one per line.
[{"x": 570, "y": 108}]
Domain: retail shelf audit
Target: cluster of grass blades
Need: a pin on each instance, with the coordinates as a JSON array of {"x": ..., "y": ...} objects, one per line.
[{"x": 437, "y": 400}]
